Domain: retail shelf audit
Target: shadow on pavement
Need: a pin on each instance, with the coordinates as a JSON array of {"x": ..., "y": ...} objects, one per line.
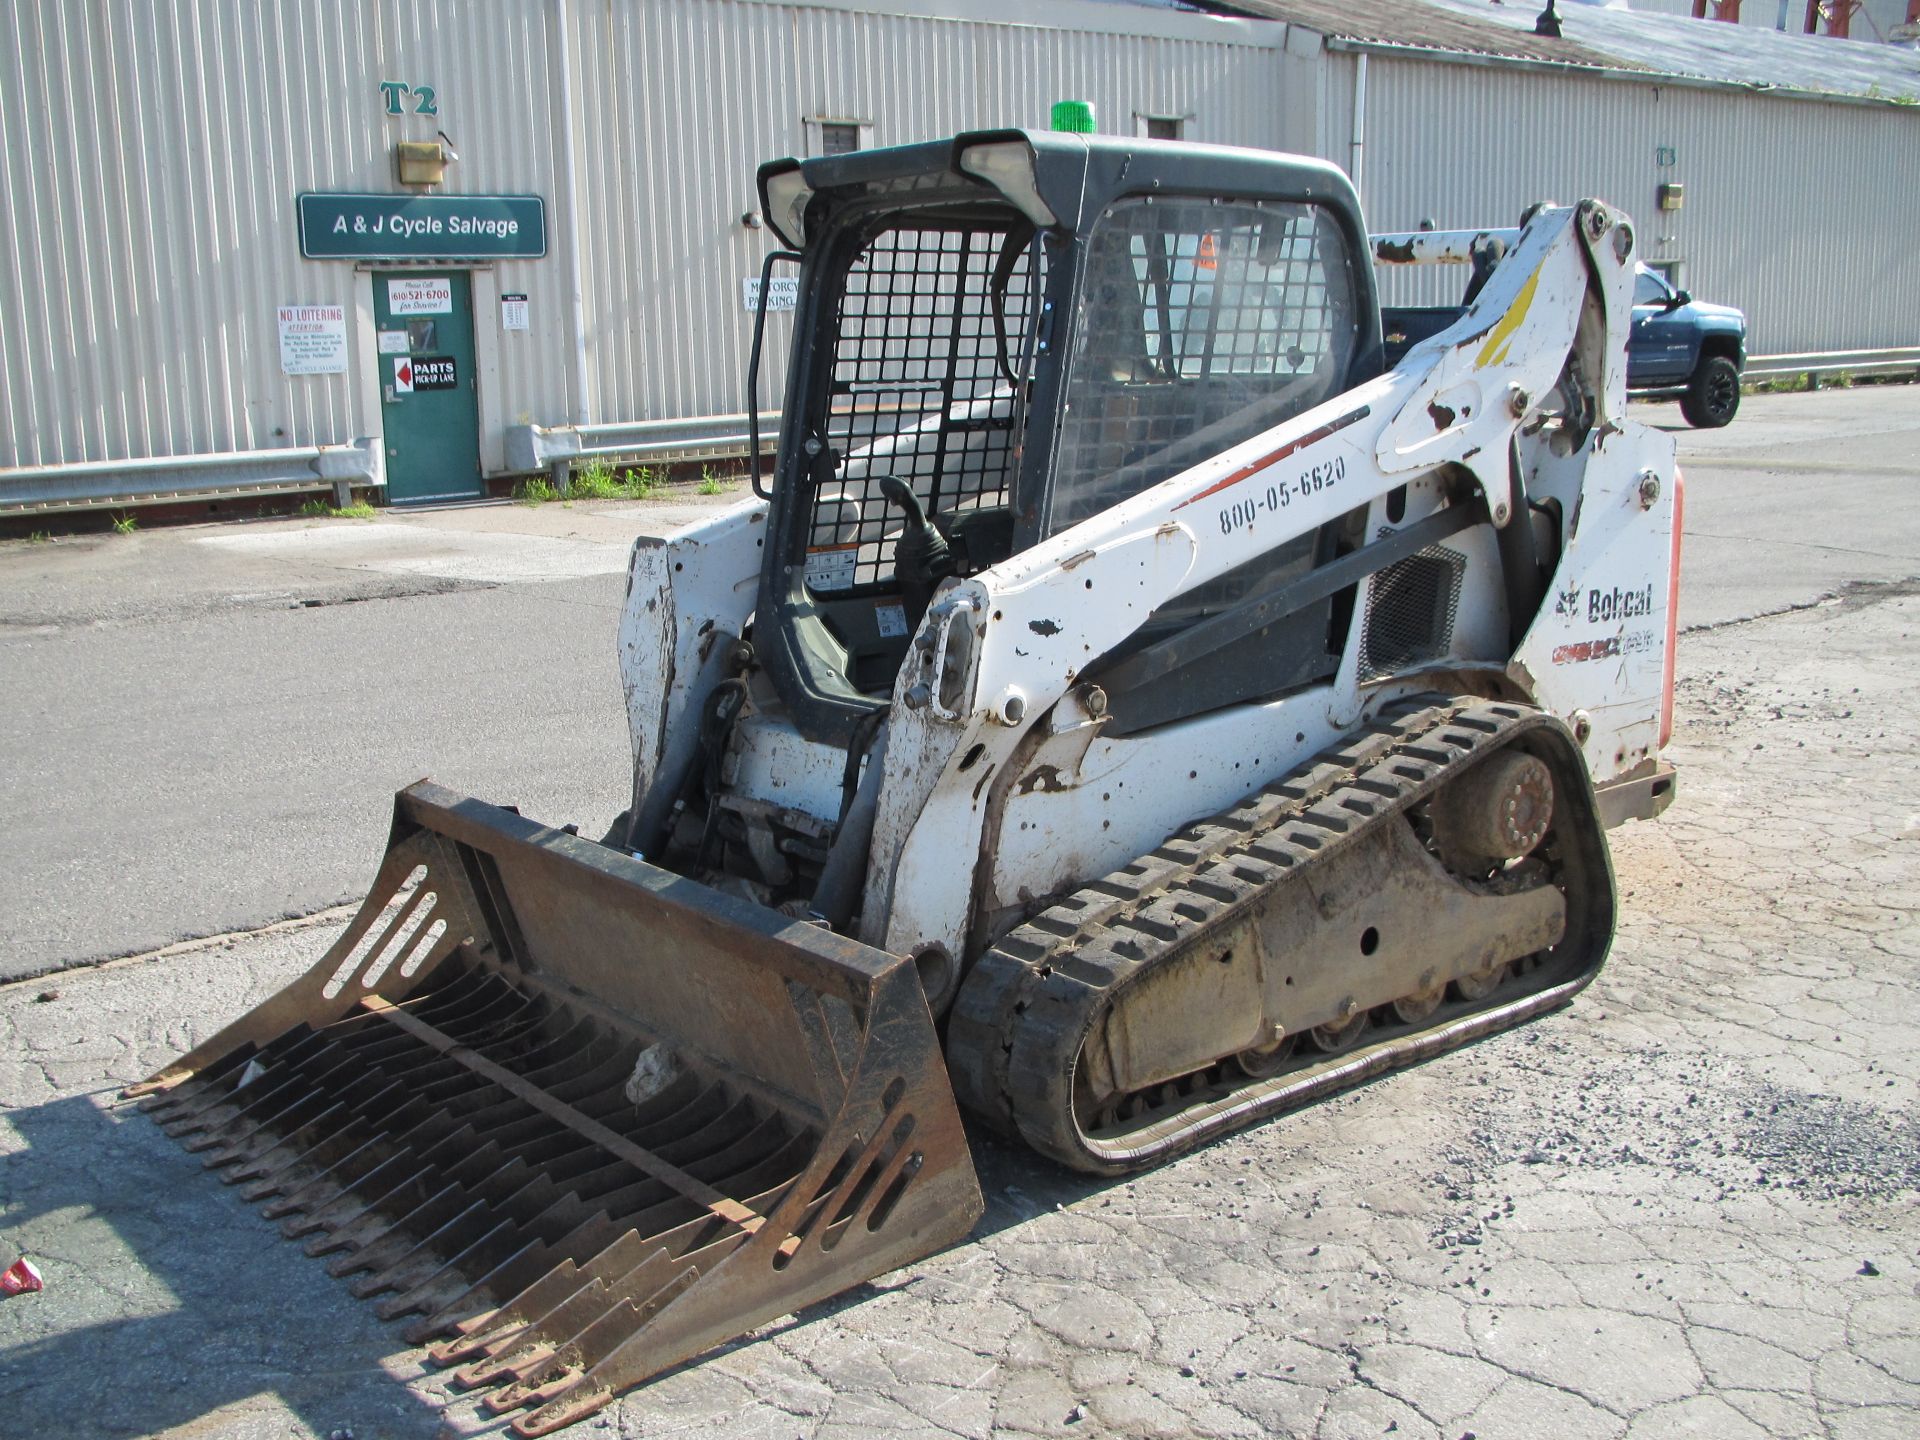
[{"x": 168, "y": 1298}]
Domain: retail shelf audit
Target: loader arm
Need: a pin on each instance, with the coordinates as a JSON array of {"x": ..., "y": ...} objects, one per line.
[{"x": 1016, "y": 639}]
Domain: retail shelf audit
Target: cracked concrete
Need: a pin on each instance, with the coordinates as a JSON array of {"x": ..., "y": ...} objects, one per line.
[{"x": 1686, "y": 1207}]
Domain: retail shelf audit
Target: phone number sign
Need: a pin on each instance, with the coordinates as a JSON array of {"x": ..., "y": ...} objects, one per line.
[{"x": 422, "y": 227}]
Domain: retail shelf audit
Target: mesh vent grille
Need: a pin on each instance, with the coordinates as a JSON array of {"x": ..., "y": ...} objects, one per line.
[{"x": 1411, "y": 607}]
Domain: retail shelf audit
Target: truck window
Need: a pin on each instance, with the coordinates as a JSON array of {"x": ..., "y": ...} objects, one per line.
[{"x": 1649, "y": 288}]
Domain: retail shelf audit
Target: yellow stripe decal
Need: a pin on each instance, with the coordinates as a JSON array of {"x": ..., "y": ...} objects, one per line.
[{"x": 1500, "y": 340}]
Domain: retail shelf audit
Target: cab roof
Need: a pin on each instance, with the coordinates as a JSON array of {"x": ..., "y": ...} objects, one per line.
[{"x": 1075, "y": 177}]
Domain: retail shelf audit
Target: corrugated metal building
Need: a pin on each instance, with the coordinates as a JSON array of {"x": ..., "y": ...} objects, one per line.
[
  {"x": 159, "y": 295},
  {"x": 152, "y": 154},
  {"x": 1786, "y": 148}
]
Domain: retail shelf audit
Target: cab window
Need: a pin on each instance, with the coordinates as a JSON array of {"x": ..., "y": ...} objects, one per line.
[{"x": 1204, "y": 323}]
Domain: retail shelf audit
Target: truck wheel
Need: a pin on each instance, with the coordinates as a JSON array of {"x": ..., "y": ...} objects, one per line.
[{"x": 1713, "y": 395}]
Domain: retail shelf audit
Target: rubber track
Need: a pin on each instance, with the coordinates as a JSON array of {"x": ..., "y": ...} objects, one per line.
[{"x": 1028, "y": 1004}]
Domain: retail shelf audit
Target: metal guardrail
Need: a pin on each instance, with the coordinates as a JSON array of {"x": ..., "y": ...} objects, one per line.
[
  {"x": 1833, "y": 362},
  {"x": 123, "y": 484},
  {"x": 117, "y": 484},
  {"x": 559, "y": 448},
  {"x": 704, "y": 437}
]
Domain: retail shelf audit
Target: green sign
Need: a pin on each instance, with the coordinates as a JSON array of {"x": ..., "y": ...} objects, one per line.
[
  {"x": 395, "y": 91},
  {"x": 422, "y": 227}
]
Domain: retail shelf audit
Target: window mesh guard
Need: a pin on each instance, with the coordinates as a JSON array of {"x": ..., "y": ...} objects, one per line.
[{"x": 918, "y": 390}]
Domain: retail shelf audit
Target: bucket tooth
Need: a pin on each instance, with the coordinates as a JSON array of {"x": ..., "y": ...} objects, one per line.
[
  {"x": 502, "y": 1272},
  {"x": 504, "y": 1327},
  {"x": 581, "y": 1118},
  {"x": 353, "y": 1237},
  {"x": 276, "y": 1152},
  {"x": 351, "y": 1201},
  {"x": 210, "y": 1082},
  {"x": 512, "y": 1220}
]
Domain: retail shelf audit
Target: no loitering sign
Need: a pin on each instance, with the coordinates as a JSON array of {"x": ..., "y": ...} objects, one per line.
[{"x": 313, "y": 339}]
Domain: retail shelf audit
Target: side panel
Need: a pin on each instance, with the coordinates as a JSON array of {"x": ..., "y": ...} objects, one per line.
[
  {"x": 1661, "y": 346},
  {"x": 687, "y": 597},
  {"x": 1596, "y": 653},
  {"x": 1079, "y": 806}
]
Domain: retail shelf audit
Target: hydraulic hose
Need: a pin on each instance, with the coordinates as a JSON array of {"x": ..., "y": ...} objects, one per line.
[{"x": 841, "y": 877}]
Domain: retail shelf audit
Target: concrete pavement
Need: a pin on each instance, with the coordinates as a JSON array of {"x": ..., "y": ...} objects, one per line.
[
  {"x": 1684, "y": 1207},
  {"x": 203, "y": 727},
  {"x": 1800, "y": 494}
]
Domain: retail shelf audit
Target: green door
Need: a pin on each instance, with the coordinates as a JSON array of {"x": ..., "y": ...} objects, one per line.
[{"x": 429, "y": 405}]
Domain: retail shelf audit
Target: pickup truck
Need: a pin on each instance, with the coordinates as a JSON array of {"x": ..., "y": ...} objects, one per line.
[
  {"x": 1680, "y": 344},
  {"x": 1676, "y": 345}
]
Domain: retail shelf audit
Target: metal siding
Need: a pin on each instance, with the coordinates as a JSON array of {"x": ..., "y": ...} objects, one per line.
[
  {"x": 680, "y": 100},
  {"x": 149, "y": 160},
  {"x": 1335, "y": 141},
  {"x": 1789, "y": 213},
  {"x": 150, "y": 156},
  {"x": 677, "y": 105}
]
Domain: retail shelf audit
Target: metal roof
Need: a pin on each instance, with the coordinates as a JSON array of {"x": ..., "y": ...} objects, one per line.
[
  {"x": 1421, "y": 27},
  {"x": 1747, "y": 56},
  {"x": 1611, "y": 37}
]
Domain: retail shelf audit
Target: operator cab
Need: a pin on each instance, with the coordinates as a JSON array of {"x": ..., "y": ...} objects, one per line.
[{"x": 1002, "y": 335}]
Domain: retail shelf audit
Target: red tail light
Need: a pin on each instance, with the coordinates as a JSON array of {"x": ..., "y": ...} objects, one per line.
[{"x": 1673, "y": 605}]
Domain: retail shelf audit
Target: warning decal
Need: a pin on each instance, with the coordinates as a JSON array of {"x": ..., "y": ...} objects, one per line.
[{"x": 831, "y": 567}]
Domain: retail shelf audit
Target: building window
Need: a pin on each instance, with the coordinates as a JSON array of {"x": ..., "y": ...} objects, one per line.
[
  {"x": 837, "y": 134},
  {"x": 1163, "y": 127},
  {"x": 839, "y": 137}
]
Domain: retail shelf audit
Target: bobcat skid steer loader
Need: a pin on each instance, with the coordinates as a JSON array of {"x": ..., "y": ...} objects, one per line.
[{"x": 1122, "y": 675}]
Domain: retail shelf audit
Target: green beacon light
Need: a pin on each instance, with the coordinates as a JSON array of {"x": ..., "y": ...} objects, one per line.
[{"x": 1073, "y": 116}]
